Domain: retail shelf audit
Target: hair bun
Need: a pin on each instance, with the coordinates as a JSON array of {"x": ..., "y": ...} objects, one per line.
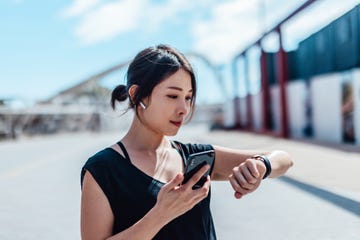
[{"x": 118, "y": 94}]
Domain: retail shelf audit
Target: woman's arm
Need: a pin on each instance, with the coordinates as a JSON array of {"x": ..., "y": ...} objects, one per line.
[
  {"x": 96, "y": 214},
  {"x": 228, "y": 158},
  {"x": 245, "y": 172},
  {"x": 173, "y": 200}
]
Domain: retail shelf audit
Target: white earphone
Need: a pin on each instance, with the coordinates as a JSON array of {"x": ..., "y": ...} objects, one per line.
[{"x": 142, "y": 105}]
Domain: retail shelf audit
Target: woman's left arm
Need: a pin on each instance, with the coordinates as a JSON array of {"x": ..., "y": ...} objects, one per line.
[{"x": 246, "y": 172}]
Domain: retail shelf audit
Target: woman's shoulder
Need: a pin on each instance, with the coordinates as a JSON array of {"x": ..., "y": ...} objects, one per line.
[
  {"x": 103, "y": 157},
  {"x": 102, "y": 164}
]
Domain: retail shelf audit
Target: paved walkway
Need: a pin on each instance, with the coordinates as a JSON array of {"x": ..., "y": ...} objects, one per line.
[
  {"x": 317, "y": 199},
  {"x": 335, "y": 166}
]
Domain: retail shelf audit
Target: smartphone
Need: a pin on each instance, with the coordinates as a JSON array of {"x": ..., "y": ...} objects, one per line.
[{"x": 195, "y": 162}]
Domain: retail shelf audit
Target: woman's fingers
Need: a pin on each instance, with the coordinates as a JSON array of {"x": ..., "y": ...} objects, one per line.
[
  {"x": 202, "y": 192},
  {"x": 252, "y": 173},
  {"x": 248, "y": 176},
  {"x": 174, "y": 182},
  {"x": 245, "y": 178},
  {"x": 237, "y": 187},
  {"x": 237, "y": 195},
  {"x": 240, "y": 178},
  {"x": 176, "y": 199}
]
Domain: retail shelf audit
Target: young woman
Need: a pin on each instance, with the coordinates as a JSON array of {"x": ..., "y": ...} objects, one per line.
[{"x": 133, "y": 189}]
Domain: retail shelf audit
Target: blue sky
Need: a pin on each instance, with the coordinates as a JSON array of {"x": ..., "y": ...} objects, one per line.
[{"x": 48, "y": 46}]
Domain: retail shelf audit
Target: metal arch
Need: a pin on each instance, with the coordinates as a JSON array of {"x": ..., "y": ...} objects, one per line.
[
  {"x": 97, "y": 77},
  {"x": 213, "y": 68}
]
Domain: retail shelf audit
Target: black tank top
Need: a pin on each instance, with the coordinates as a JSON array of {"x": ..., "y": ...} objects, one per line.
[{"x": 132, "y": 193}]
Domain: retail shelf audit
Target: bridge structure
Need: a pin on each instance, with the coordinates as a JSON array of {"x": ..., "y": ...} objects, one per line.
[
  {"x": 82, "y": 107},
  {"x": 265, "y": 90}
]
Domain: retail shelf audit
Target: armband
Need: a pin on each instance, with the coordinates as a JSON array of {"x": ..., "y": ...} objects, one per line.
[{"x": 266, "y": 161}]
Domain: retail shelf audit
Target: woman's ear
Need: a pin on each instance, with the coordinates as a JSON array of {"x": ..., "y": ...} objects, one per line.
[{"x": 132, "y": 92}]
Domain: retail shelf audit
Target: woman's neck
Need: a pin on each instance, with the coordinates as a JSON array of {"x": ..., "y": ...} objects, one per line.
[{"x": 141, "y": 138}]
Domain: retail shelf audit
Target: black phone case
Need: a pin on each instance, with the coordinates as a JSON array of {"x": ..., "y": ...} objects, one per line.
[{"x": 195, "y": 162}]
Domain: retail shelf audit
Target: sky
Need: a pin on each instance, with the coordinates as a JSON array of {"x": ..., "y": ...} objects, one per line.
[{"x": 49, "y": 46}]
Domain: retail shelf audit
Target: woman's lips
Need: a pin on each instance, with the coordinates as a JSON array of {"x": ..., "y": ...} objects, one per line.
[{"x": 178, "y": 124}]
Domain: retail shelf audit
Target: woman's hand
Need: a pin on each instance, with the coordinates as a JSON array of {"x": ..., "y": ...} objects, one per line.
[
  {"x": 246, "y": 177},
  {"x": 175, "y": 199}
]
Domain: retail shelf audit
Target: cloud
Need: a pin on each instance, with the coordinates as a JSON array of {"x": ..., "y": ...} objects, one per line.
[
  {"x": 220, "y": 29},
  {"x": 233, "y": 25},
  {"x": 156, "y": 15},
  {"x": 110, "y": 20},
  {"x": 229, "y": 28},
  {"x": 102, "y": 22},
  {"x": 78, "y": 7}
]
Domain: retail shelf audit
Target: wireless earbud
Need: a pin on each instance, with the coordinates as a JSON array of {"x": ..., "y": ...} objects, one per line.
[{"x": 142, "y": 105}]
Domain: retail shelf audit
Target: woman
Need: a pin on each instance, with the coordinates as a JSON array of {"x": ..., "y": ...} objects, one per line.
[{"x": 133, "y": 189}]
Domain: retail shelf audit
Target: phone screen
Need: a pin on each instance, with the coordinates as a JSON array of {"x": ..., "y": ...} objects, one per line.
[{"x": 195, "y": 162}]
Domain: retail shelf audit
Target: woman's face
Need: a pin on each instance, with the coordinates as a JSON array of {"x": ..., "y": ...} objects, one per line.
[{"x": 169, "y": 104}]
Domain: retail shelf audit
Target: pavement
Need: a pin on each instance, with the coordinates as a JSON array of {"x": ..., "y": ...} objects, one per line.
[
  {"x": 324, "y": 164},
  {"x": 318, "y": 198}
]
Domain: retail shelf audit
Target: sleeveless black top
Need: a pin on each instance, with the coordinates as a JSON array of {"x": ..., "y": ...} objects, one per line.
[{"x": 132, "y": 193}]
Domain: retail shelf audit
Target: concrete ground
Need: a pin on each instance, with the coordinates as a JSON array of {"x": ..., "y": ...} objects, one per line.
[{"x": 319, "y": 198}]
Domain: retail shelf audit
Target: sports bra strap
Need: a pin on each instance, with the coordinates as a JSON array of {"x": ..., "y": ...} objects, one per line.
[
  {"x": 121, "y": 145},
  {"x": 177, "y": 146}
]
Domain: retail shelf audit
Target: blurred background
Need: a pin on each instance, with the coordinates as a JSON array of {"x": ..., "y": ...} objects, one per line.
[
  {"x": 272, "y": 74},
  {"x": 285, "y": 68}
]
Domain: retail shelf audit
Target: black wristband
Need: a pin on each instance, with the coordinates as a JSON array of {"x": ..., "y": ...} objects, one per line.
[{"x": 266, "y": 161}]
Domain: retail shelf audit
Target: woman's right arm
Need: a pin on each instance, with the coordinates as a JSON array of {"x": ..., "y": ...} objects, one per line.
[
  {"x": 173, "y": 200},
  {"x": 96, "y": 215}
]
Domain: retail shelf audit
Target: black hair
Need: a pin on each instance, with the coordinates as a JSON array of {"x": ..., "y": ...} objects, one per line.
[{"x": 150, "y": 67}]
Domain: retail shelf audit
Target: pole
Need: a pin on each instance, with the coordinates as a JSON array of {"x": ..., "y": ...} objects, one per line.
[{"x": 282, "y": 73}]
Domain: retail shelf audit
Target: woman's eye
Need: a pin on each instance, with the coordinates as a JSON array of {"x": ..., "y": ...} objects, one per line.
[
  {"x": 189, "y": 99},
  {"x": 172, "y": 96}
]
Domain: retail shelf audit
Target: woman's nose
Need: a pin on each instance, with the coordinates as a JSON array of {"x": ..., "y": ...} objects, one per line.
[{"x": 183, "y": 108}]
